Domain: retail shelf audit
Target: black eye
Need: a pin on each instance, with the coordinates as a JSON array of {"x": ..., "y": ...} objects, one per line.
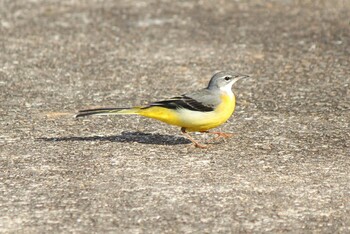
[{"x": 227, "y": 78}]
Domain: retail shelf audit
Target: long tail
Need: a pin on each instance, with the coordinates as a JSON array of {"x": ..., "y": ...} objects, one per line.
[{"x": 108, "y": 111}]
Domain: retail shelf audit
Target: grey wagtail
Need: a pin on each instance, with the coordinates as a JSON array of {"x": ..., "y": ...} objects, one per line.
[{"x": 197, "y": 111}]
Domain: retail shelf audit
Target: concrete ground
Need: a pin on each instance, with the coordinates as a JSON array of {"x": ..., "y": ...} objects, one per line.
[{"x": 287, "y": 168}]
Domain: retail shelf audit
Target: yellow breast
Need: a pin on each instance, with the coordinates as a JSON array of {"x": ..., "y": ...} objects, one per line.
[
  {"x": 217, "y": 117},
  {"x": 194, "y": 120},
  {"x": 226, "y": 108}
]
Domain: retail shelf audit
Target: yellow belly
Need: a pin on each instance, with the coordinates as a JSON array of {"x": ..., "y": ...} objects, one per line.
[
  {"x": 193, "y": 120},
  {"x": 163, "y": 114}
]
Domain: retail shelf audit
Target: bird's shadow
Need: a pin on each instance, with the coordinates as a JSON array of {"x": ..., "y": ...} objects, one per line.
[{"x": 139, "y": 137}]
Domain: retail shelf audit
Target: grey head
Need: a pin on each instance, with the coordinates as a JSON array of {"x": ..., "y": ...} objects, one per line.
[{"x": 224, "y": 80}]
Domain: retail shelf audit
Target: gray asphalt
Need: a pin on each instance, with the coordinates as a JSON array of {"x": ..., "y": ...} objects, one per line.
[{"x": 286, "y": 169}]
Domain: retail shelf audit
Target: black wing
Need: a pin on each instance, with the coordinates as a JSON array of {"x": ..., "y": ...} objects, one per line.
[{"x": 183, "y": 102}]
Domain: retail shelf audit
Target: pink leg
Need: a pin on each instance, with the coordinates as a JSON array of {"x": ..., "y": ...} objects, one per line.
[
  {"x": 196, "y": 144},
  {"x": 220, "y": 134}
]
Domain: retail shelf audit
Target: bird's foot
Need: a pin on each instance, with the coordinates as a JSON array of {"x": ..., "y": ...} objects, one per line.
[
  {"x": 195, "y": 143},
  {"x": 201, "y": 146},
  {"x": 222, "y": 134}
]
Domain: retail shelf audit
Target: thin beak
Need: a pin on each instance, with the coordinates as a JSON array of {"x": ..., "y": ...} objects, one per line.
[{"x": 242, "y": 77}]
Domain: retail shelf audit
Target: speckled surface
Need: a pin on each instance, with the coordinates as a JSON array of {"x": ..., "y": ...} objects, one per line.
[{"x": 285, "y": 170}]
